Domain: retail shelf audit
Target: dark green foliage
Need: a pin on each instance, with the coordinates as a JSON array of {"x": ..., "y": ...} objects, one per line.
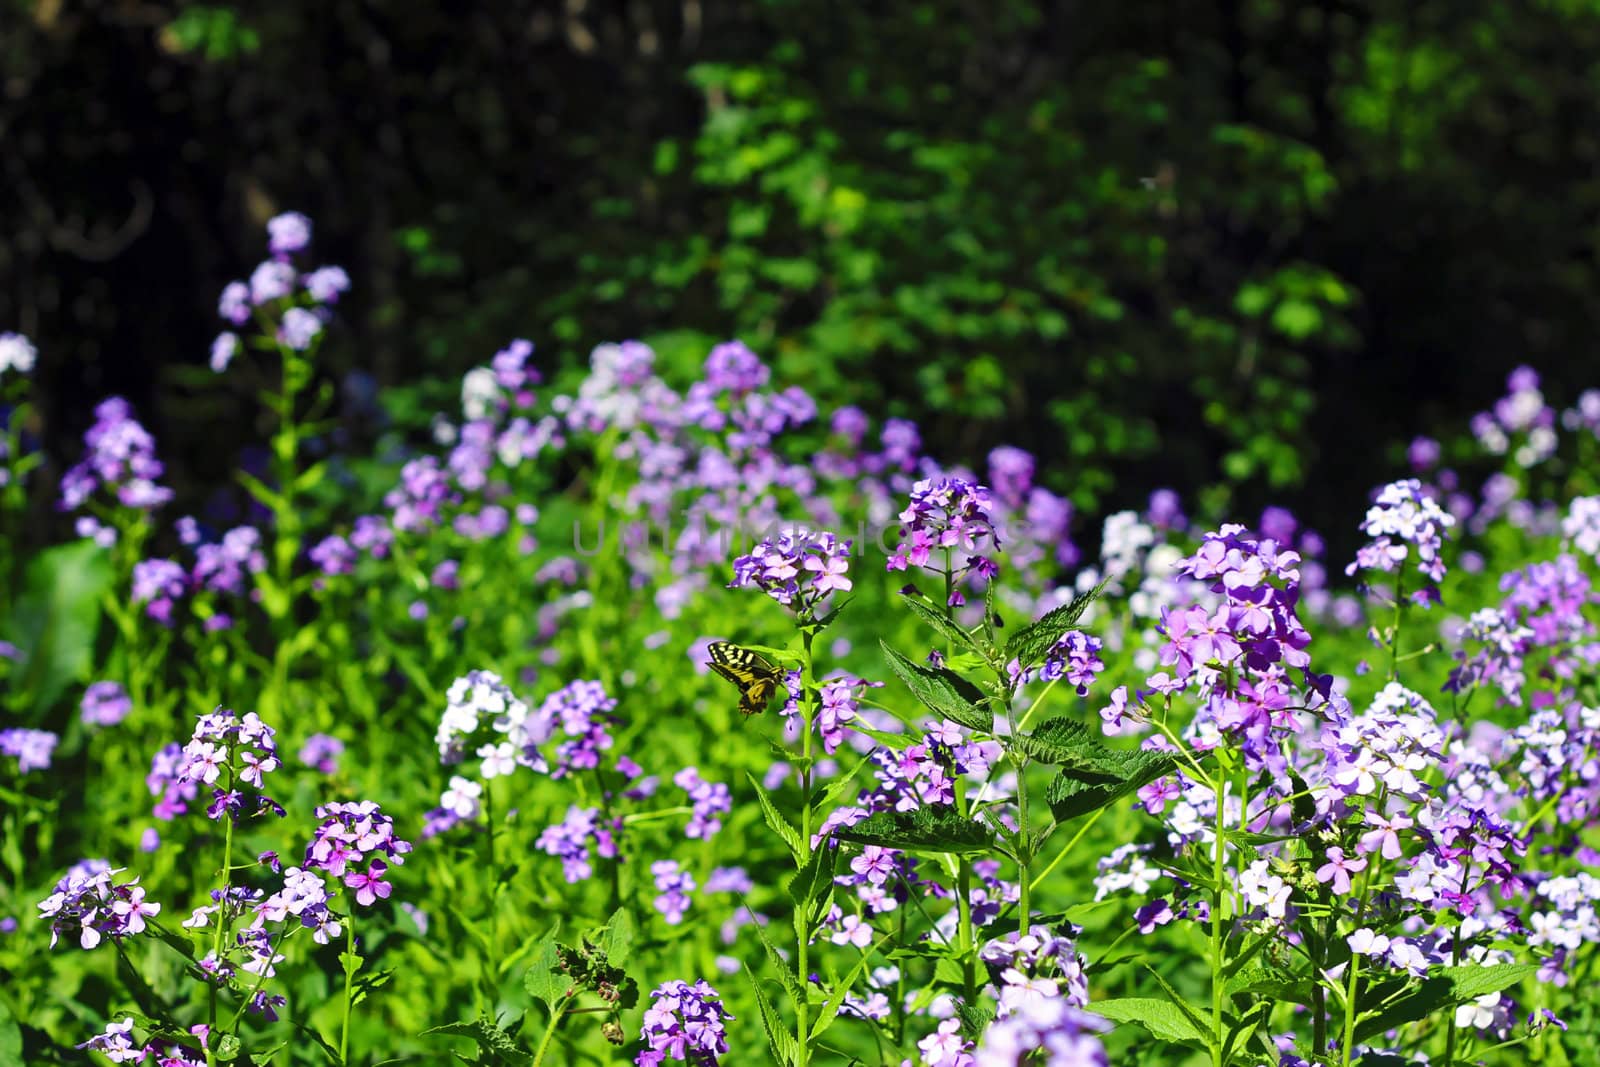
[{"x": 1144, "y": 247}]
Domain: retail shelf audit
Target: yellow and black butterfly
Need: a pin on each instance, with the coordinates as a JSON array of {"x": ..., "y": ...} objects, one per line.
[{"x": 756, "y": 678}]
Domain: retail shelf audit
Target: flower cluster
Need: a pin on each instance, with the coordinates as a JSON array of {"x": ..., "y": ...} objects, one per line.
[
  {"x": 1402, "y": 520},
  {"x": 949, "y": 527},
  {"x": 710, "y": 800},
  {"x": 300, "y": 302},
  {"x": 351, "y": 835},
  {"x": 105, "y": 704},
  {"x": 32, "y": 749},
  {"x": 16, "y": 353},
  {"x": 90, "y": 904},
  {"x": 684, "y": 1022},
  {"x": 798, "y": 569},
  {"x": 120, "y": 456},
  {"x": 234, "y": 751}
]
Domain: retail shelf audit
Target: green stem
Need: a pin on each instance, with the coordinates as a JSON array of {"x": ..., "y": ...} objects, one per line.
[
  {"x": 550, "y": 1031},
  {"x": 1217, "y": 961},
  {"x": 349, "y": 985},
  {"x": 802, "y": 914},
  {"x": 222, "y": 916}
]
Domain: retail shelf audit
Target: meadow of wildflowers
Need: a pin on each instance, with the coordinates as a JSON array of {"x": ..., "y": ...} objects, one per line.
[{"x": 448, "y": 777}]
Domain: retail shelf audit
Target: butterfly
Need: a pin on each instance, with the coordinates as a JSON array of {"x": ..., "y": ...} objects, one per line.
[{"x": 756, "y": 678}]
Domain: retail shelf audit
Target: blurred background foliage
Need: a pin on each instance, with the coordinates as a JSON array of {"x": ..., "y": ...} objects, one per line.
[{"x": 1244, "y": 248}]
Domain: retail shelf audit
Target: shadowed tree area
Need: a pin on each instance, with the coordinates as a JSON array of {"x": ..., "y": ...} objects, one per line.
[{"x": 1251, "y": 246}]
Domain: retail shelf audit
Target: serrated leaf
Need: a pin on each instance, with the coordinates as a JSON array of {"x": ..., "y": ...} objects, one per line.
[
  {"x": 831, "y": 1006},
  {"x": 777, "y": 823},
  {"x": 975, "y": 1018},
  {"x": 1273, "y": 982},
  {"x": 1160, "y": 1018},
  {"x": 779, "y": 1040},
  {"x": 544, "y": 980},
  {"x": 1029, "y": 644},
  {"x": 616, "y": 940},
  {"x": 942, "y": 691},
  {"x": 937, "y": 620},
  {"x": 1201, "y": 1025},
  {"x": 812, "y": 886},
  {"x": 932, "y": 828},
  {"x": 1070, "y": 796},
  {"x": 780, "y": 966},
  {"x": 490, "y": 1037},
  {"x": 1444, "y": 987}
]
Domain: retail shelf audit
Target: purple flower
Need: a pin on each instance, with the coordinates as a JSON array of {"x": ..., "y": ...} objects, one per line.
[
  {"x": 16, "y": 353},
  {"x": 326, "y": 283},
  {"x": 89, "y": 903},
  {"x": 1067, "y": 1035},
  {"x": 271, "y": 280},
  {"x": 684, "y": 1022},
  {"x": 299, "y": 328},
  {"x": 369, "y": 884},
  {"x": 32, "y": 749},
  {"x": 223, "y": 349},
  {"x": 1402, "y": 520},
  {"x": 673, "y": 886},
  {"x": 1338, "y": 870},
  {"x": 950, "y": 523},
  {"x": 351, "y": 834},
  {"x": 118, "y": 455},
  {"x": 105, "y": 704},
  {"x": 1076, "y": 656},
  {"x": 234, "y": 303},
  {"x": 321, "y": 753},
  {"x": 798, "y": 569},
  {"x": 288, "y": 233},
  {"x": 334, "y": 555},
  {"x": 569, "y": 840},
  {"x": 711, "y": 800}
]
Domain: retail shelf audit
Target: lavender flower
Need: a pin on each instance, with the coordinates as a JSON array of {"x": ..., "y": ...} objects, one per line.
[
  {"x": 350, "y": 835},
  {"x": 16, "y": 353},
  {"x": 118, "y": 455},
  {"x": 88, "y": 902},
  {"x": 798, "y": 569},
  {"x": 1067, "y": 1036},
  {"x": 32, "y": 749},
  {"x": 1403, "y": 520},
  {"x": 105, "y": 704},
  {"x": 711, "y": 800},
  {"x": 321, "y": 753},
  {"x": 288, "y": 233},
  {"x": 673, "y": 885},
  {"x": 684, "y": 1022},
  {"x": 947, "y": 516}
]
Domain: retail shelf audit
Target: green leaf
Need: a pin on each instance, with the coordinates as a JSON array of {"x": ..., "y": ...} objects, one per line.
[
  {"x": 937, "y": 620},
  {"x": 1029, "y": 644},
  {"x": 811, "y": 887},
  {"x": 830, "y": 1007},
  {"x": 1160, "y": 1018},
  {"x": 780, "y": 1040},
  {"x": 931, "y": 828},
  {"x": 616, "y": 940},
  {"x": 777, "y": 823},
  {"x": 1444, "y": 987},
  {"x": 943, "y": 691},
  {"x": 780, "y": 966},
  {"x": 491, "y": 1039},
  {"x": 10, "y": 1036},
  {"x": 1273, "y": 982},
  {"x": 1079, "y": 793},
  {"x": 54, "y": 622},
  {"x": 544, "y": 979},
  {"x": 1201, "y": 1025}
]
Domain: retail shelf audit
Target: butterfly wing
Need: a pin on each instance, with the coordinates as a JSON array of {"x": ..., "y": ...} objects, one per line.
[{"x": 756, "y": 678}]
